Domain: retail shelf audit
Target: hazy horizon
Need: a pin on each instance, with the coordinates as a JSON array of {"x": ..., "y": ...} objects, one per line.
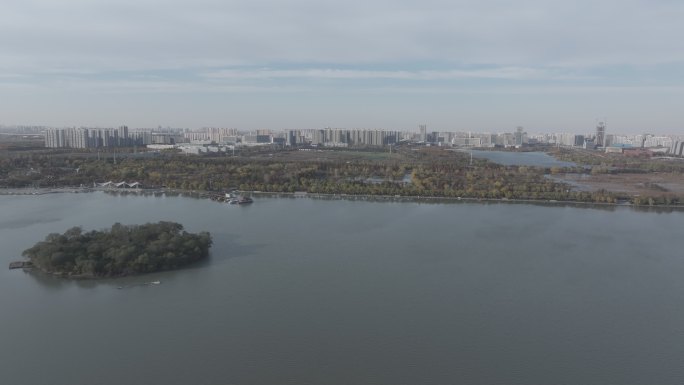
[
  {"x": 549, "y": 66},
  {"x": 588, "y": 131}
]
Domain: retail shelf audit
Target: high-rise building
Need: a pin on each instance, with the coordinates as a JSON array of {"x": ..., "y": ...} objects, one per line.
[
  {"x": 677, "y": 148},
  {"x": 423, "y": 132},
  {"x": 123, "y": 136},
  {"x": 600, "y": 134},
  {"x": 519, "y": 136}
]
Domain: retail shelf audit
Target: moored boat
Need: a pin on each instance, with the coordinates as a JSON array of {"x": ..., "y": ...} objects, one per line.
[
  {"x": 244, "y": 200},
  {"x": 240, "y": 200}
]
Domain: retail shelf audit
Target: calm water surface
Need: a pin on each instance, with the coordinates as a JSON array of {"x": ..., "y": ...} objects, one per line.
[
  {"x": 537, "y": 159},
  {"x": 303, "y": 291}
]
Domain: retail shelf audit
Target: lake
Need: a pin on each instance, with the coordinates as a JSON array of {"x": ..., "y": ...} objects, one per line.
[
  {"x": 510, "y": 158},
  {"x": 307, "y": 291}
]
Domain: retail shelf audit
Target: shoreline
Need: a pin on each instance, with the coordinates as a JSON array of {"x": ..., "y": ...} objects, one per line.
[
  {"x": 385, "y": 198},
  {"x": 45, "y": 190},
  {"x": 435, "y": 199}
]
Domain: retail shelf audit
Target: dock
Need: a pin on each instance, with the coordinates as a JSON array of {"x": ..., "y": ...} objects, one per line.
[{"x": 20, "y": 264}]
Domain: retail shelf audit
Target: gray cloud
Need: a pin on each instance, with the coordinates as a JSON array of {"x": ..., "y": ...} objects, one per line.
[
  {"x": 347, "y": 63},
  {"x": 127, "y": 34},
  {"x": 317, "y": 73}
]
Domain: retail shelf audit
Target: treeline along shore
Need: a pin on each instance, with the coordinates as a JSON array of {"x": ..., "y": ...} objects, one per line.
[{"x": 406, "y": 172}]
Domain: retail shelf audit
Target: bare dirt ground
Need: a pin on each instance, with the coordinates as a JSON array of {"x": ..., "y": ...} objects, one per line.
[{"x": 654, "y": 184}]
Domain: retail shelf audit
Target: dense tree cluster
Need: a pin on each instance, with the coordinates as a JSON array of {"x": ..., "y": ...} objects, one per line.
[
  {"x": 408, "y": 171},
  {"x": 121, "y": 250}
]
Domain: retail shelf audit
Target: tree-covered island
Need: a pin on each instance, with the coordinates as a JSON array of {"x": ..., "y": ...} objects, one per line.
[{"x": 121, "y": 250}]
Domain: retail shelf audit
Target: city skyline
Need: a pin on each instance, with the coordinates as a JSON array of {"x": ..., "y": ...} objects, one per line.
[
  {"x": 417, "y": 130},
  {"x": 456, "y": 66},
  {"x": 122, "y": 136}
]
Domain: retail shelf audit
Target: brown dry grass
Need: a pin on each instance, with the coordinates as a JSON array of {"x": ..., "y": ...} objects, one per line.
[{"x": 652, "y": 184}]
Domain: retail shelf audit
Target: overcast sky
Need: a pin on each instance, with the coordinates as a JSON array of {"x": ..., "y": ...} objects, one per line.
[{"x": 487, "y": 65}]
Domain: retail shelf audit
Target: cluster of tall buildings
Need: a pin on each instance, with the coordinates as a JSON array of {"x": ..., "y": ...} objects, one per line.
[
  {"x": 123, "y": 137},
  {"x": 120, "y": 137},
  {"x": 472, "y": 139},
  {"x": 327, "y": 137},
  {"x": 212, "y": 134},
  {"x": 588, "y": 140},
  {"x": 595, "y": 139},
  {"x": 94, "y": 137},
  {"x": 338, "y": 137}
]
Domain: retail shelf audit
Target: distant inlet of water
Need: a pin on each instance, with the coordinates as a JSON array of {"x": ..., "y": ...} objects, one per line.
[
  {"x": 509, "y": 158},
  {"x": 306, "y": 291}
]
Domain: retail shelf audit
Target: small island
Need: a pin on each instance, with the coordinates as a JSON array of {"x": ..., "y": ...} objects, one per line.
[{"x": 119, "y": 251}]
